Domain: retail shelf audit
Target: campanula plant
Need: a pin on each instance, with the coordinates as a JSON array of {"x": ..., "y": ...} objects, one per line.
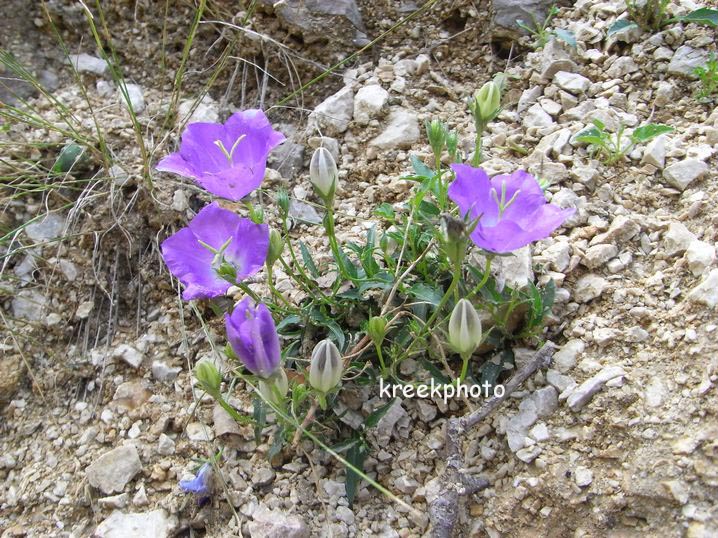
[{"x": 355, "y": 316}]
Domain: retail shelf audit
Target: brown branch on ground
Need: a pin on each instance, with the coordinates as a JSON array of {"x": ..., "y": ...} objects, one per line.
[{"x": 454, "y": 482}]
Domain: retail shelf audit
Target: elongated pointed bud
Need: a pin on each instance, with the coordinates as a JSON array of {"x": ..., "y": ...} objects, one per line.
[
  {"x": 436, "y": 133},
  {"x": 452, "y": 144},
  {"x": 453, "y": 235},
  {"x": 208, "y": 376},
  {"x": 283, "y": 202},
  {"x": 323, "y": 173},
  {"x": 275, "y": 388},
  {"x": 376, "y": 329},
  {"x": 326, "y": 368},
  {"x": 487, "y": 101},
  {"x": 276, "y": 246},
  {"x": 464, "y": 328}
]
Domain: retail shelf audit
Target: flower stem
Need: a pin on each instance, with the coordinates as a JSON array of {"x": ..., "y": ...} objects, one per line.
[
  {"x": 275, "y": 292},
  {"x": 464, "y": 366},
  {"x": 484, "y": 280},
  {"x": 333, "y": 244},
  {"x": 381, "y": 359}
]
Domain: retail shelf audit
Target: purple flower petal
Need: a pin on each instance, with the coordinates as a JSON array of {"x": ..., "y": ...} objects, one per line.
[
  {"x": 253, "y": 336},
  {"x": 200, "y": 484},
  {"x": 192, "y": 262},
  {"x": 526, "y": 216},
  {"x": 228, "y": 160}
]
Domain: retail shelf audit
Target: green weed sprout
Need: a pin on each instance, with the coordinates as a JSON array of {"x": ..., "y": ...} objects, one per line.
[
  {"x": 611, "y": 148},
  {"x": 541, "y": 33},
  {"x": 652, "y": 16},
  {"x": 708, "y": 75}
]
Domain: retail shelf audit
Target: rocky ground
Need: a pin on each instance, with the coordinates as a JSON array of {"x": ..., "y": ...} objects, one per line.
[{"x": 617, "y": 438}]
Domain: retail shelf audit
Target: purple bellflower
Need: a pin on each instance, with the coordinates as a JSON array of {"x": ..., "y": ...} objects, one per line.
[
  {"x": 253, "y": 336},
  {"x": 229, "y": 160},
  {"x": 217, "y": 249},
  {"x": 512, "y": 209},
  {"x": 200, "y": 485}
]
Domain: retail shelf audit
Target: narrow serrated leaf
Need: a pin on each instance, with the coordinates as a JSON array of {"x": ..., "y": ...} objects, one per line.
[
  {"x": 374, "y": 418},
  {"x": 308, "y": 261}
]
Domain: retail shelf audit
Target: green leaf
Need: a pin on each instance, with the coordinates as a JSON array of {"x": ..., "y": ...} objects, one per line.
[
  {"x": 385, "y": 211},
  {"x": 277, "y": 443},
  {"x": 374, "y": 418},
  {"x": 649, "y": 132},
  {"x": 490, "y": 371},
  {"x": 437, "y": 374},
  {"x": 69, "y": 156},
  {"x": 426, "y": 293},
  {"x": 321, "y": 320},
  {"x": 704, "y": 15},
  {"x": 260, "y": 419},
  {"x": 355, "y": 456},
  {"x": 565, "y": 36},
  {"x": 621, "y": 24},
  {"x": 292, "y": 319},
  {"x": 548, "y": 295},
  {"x": 420, "y": 169},
  {"x": 380, "y": 281},
  {"x": 308, "y": 261}
]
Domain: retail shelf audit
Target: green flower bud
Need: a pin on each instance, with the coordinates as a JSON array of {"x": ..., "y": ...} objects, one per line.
[
  {"x": 283, "y": 202},
  {"x": 464, "y": 328},
  {"x": 326, "y": 368},
  {"x": 275, "y": 388},
  {"x": 208, "y": 376},
  {"x": 452, "y": 144},
  {"x": 453, "y": 235},
  {"x": 323, "y": 173},
  {"x": 487, "y": 102},
  {"x": 436, "y": 133},
  {"x": 276, "y": 247},
  {"x": 376, "y": 329}
]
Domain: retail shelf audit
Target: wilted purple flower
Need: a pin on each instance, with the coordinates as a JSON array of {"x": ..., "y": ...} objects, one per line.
[
  {"x": 217, "y": 248},
  {"x": 511, "y": 209},
  {"x": 227, "y": 159},
  {"x": 253, "y": 336},
  {"x": 200, "y": 485}
]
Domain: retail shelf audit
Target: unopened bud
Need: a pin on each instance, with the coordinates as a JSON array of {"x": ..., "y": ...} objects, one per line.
[
  {"x": 275, "y": 388},
  {"x": 283, "y": 202},
  {"x": 452, "y": 144},
  {"x": 436, "y": 133},
  {"x": 464, "y": 328},
  {"x": 453, "y": 232},
  {"x": 487, "y": 102},
  {"x": 376, "y": 329},
  {"x": 208, "y": 376},
  {"x": 326, "y": 368},
  {"x": 276, "y": 246},
  {"x": 323, "y": 173}
]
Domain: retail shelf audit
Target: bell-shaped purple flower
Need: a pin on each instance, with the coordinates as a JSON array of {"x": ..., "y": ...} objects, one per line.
[
  {"x": 229, "y": 159},
  {"x": 512, "y": 209},
  {"x": 253, "y": 336},
  {"x": 217, "y": 249},
  {"x": 200, "y": 485}
]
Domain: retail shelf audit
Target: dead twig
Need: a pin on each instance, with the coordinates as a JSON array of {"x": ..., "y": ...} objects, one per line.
[{"x": 454, "y": 482}]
